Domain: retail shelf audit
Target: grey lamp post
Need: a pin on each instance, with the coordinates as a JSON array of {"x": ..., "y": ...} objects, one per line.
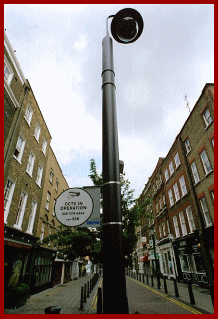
[{"x": 126, "y": 27}]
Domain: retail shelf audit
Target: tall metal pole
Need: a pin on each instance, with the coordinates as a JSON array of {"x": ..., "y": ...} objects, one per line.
[{"x": 114, "y": 281}]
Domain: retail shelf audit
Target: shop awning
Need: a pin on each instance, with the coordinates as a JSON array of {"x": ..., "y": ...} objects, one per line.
[{"x": 143, "y": 259}]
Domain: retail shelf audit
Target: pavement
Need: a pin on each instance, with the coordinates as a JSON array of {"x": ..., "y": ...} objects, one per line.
[{"x": 143, "y": 298}]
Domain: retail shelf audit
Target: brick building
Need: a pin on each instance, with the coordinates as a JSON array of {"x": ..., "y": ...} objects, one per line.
[
  {"x": 182, "y": 197},
  {"x": 28, "y": 159}
]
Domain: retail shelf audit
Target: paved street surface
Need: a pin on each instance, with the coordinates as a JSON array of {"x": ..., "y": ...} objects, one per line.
[{"x": 142, "y": 298}]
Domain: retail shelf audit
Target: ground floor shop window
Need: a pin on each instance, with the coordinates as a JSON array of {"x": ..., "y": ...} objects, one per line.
[
  {"x": 185, "y": 263},
  {"x": 43, "y": 270}
]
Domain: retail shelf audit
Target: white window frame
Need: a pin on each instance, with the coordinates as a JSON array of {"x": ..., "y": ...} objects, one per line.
[
  {"x": 176, "y": 192},
  {"x": 53, "y": 213},
  {"x": 51, "y": 176},
  {"x": 187, "y": 146},
  {"x": 183, "y": 185},
  {"x": 21, "y": 210},
  {"x": 19, "y": 148},
  {"x": 206, "y": 212},
  {"x": 170, "y": 194},
  {"x": 177, "y": 160},
  {"x": 176, "y": 226},
  {"x": 56, "y": 184},
  {"x": 166, "y": 173},
  {"x": 195, "y": 172},
  {"x": 164, "y": 228},
  {"x": 207, "y": 118},
  {"x": 171, "y": 168},
  {"x": 39, "y": 175},
  {"x": 190, "y": 217},
  {"x": 168, "y": 226},
  {"x": 157, "y": 208},
  {"x": 37, "y": 131},
  {"x": 44, "y": 146},
  {"x": 164, "y": 199},
  {"x": 8, "y": 77},
  {"x": 160, "y": 231},
  {"x": 48, "y": 198},
  {"x": 32, "y": 217},
  {"x": 8, "y": 194},
  {"x": 183, "y": 224},
  {"x": 160, "y": 203},
  {"x": 205, "y": 162},
  {"x": 42, "y": 231},
  {"x": 29, "y": 113},
  {"x": 30, "y": 164}
]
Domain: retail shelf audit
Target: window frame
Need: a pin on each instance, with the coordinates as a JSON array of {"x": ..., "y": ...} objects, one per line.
[
  {"x": 32, "y": 217},
  {"x": 37, "y": 131},
  {"x": 44, "y": 146},
  {"x": 39, "y": 175},
  {"x": 21, "y": 210},
  {"x": 166, "y": 174},
  {"x": 183, "y": 223},
  {"x": 171, "y": 199},
  {"x": 206, "y": 212},
  {"x": 190, "y": 218},
  {"x": 176, "y": 191},
  {"x": 205, "y": 162},
  {"x": 48, "y": 199},
  {"x": 187, "y": 146},
  {"x": 176, "y": 226},
  {"x": 30, "y": 164},
  {"x": 20, "y": 149},
  {"x": 207, "y": 123},
  {"x": 7, "y": 65},
  {"x": 195, "y": 172},
  {"x": 182, "y": 186},
  {"x": 177, "y": 160},
  {"x": 9, "y": 194},
  {"x": 29, "y": 114}
]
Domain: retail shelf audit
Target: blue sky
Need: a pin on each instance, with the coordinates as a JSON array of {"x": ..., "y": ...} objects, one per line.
[{"x": 59, "y": 49}]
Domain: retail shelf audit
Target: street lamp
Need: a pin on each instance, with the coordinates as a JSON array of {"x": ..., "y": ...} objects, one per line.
[
  {"x": 126, "y": 27},
  {"x": 155, "y": 257}
]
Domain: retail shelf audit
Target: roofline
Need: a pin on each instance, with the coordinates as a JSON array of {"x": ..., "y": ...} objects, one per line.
[{"x": 13, "y": 58}]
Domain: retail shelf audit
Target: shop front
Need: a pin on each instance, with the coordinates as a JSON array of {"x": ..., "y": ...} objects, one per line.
[
  {"x": 167, "y": 261},
  {"x": 191, "y": 261}
]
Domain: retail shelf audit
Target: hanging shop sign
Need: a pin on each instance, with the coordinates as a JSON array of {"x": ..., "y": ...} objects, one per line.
[{"x": 79, "y": 207}]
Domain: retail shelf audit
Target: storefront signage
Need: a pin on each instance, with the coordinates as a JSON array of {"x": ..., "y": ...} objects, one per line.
[{"x": 74, "y": 207}]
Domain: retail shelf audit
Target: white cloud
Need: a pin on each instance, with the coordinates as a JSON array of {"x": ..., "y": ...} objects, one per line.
[{"x": 80, "y": 44}]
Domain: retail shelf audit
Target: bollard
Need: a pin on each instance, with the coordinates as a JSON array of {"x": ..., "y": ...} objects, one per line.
[
  {"x": 143, "y": 278},
  {"x": 158, "y": 282},
  {"x": 175, "y": 288},
  {"x": 52, "y": 310},
  {"x": 85, "y": 293},
  {"x": 152, "y": 281},
  {"x": 191, "y": 295},
  {"x": 81, "y": 299},
  {"x": 99, "y": 302},
  {"x": 88, "y": 289},
  {"x": 147, "y": 280},
  {"x": 165, "y": 285}
]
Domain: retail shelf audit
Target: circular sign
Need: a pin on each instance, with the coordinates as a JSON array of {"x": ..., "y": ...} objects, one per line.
[{"x": 73, "y": 207}]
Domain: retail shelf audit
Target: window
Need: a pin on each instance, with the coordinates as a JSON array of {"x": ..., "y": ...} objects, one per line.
[
  {"x": 205, "y": 211},
  {"x": 207, "y": 117},
  {"x": 171, "y": 168},
  {"x": 168, "y": 226},
  {"x": 160, "y": 203},
  {"x": 170, "y": 193},
  {"x": 30, "y": 164},
  {"x": 56, "y": 185},
  {"x": 195, "y": 172},
  {"x": 212, "y": 141},
  {"x": 53, "y": 213},
  {"x": 166, "y": 174},
  {"x": 164, "y": 199},
  {"x": 176, "y": 191},
  {"x": 183, "y": 225},
  {"x": 8, "y": 73},
  {"x": 31, "y": 217},
  {"x": 18, "y": 153},
  {"x": 8, "y": 194},
  {"x": 44, "y": 146},
  {"x": 176, "y": 226},
  {"x": 187, "y": 145},
  {"x": 37, "y": 131},
  {"x": 48, "y": 200},
  {"x": 39, "y": 176},
  {"x": 212, "y": 194},
  {"x": 42, "y": 231},
  {"x": 51, "y": 176},
  {"x": 190, "y": 219},
  {"x": 29, "y": 114},
  {"x": 21, "y": 209},
  {"x": 182, "y": 185},
  {"x": 205, "y": 161},
  {"x": 164, "y": 228},
  {"x": 177, "y": 160},
  {"x": 184, "y": 263},
  {"x": 157, "y": 208},
  {"x": 160, "y": 231}
]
